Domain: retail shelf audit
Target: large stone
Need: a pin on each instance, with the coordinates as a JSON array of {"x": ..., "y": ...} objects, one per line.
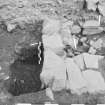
[
  {"x": 75, "y": 29},
  {"x": 24, "y": 71},
  {"x": 92, "y": 31},
  {"x": 54, "y": 41},
  {"x": 10, "y": 27},
  {"x": 76, "y": 83},
  {"x": 101, "y": 8},
  {"x": 92, "y": 50},
  {"x": 51, "y": 26},
  {"x": 54, "y": 71},
  {"x": 91, "y": 61},
  {"x": 95, "y": 81}
]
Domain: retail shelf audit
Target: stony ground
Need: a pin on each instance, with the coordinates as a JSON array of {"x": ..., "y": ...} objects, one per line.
[{"x": 19, "y": 12}]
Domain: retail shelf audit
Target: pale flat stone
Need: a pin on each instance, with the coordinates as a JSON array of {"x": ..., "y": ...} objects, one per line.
[
  {"x": 54, "y": 71},
  {"x": 54, "y": 41},
  {"x": 51, "y": 26},
  {"x": 76, "y": 82},
  {"x": 91, "y": 61},
  {"x": 91, "y": 23},
  {"x": 79, "y": 61},
  {"x": 91, "y": 31},
  {"x": 95, "y": 81},
  {"x": 91, "y": 6},
  {"x": 96, "y": 44},
  {"x": 101, "y": 7}
]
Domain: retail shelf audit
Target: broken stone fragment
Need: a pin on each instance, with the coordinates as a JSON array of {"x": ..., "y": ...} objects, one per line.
[
  {"x": 75, "y": 29},
  {"x": 76, "y": 82},
  {"x": 91, "y": 31},
  {"x": 79, "y": 61},
  {"x": 95, "y": 81},
  {"x": 91, "y": 61}
]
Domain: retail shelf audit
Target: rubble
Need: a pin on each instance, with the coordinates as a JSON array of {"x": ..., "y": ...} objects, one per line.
[{"x": 73, "y": 39}]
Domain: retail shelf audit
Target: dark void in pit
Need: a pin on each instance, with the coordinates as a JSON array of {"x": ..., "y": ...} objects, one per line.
[{"x": 27, "y": 66}]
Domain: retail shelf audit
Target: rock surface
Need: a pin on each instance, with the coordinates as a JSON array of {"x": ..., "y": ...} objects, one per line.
[
  {"x": 91, "y": 61},
  {"x": 95, "y": 83},
  {"x": 76, "y": 82},
  {"x": 65, "y": 25}
]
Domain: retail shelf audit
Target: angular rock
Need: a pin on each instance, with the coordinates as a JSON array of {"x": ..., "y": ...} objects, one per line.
[
  {"x": 91, "y": 23},
  {"x": 91, "y": 61},
  {"x": 76, "y": 83},
  {"x": 83, "y": 39},
  {"x": 92, "y": 4},
  {"x": 95, "y": 81},
  {"x": 91, "y": 31},
  {"x": 101, "y": 8},
  {"x": 102, "y": 67},
  {"x": 79, "y": 60},
  {"x": 96, "y": 44},
  {"x": 51, "y": 26},
  {"x": 54, "y": 71}
]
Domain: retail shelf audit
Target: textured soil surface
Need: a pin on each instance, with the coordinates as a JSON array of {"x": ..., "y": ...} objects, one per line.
[{"x": 17, "y": 12}]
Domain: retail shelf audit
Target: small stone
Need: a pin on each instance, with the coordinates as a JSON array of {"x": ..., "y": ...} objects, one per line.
[
  {"x": 96, "y": 44},
  {"x": 0, "y": 68},
  {"x": 91, "y": 4},
  {"x": 51, "y": 26},
  {"x": 10, "y": 27},
  {"x": 75, "y": 29},
  {"x": 92, "y": 50},
  {"x": 49, "y": 93},
  {"x": 92, "y": 61},
  {"x": 95, "y": 81}
]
